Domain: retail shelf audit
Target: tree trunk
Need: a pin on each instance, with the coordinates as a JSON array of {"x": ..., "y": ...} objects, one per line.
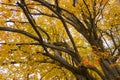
[
  {"x": 80, "y": 77},
  {"x": 111, "y": 73},
  {"x": 84, "y": 74},
  {"x": 83, "y": 77}
]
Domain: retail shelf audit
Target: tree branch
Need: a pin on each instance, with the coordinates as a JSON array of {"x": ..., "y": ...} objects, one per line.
[
  {"x": 101, "y": 9},
  {"x": 64, "y": 24},
  {"x": 87, "y": 9},
  {"x": 76, "y": 23},
  {"x": 19, "y": 31},
  {"x": 33, "y": 23}
]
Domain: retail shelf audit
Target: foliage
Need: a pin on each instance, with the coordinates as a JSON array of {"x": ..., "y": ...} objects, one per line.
[{"x": 59, "y": 39}]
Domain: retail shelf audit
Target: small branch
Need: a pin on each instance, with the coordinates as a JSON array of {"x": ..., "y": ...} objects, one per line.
[
  {"x": 20, "y": 44},
  {"x": 46, "y": 44},
  {"x": 94, "y": 9},
  {"x": 101, "y": 9},
  {"x": 106, "y": 42},
  {"x": 80, "y": 27},
  {"x": 114, "y": 42},
  {"x": 87, "y": 9},
  {"x": 19, "y": 31},
  {"x": 32, "y": 22},
  {"x": 12, "y": 21},
  {"x": 45, "y": 14},
  {"x": 41, "y": 29},
  {"x": 65, "y": 26},
  {"x": 74, "y": 2},
  {"x": 13, "y": 5}
]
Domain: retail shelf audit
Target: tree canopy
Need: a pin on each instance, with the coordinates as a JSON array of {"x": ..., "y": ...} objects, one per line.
[{"x": 59, "y": 39}]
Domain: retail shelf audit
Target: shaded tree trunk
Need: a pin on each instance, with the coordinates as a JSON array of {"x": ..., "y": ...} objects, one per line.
[
  {"x": 84, "y": 75},
  {"x": 110, "y": 72}
]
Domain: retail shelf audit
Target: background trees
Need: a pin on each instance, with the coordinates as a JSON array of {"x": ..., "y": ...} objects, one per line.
[{"x": 60, "y": 39}]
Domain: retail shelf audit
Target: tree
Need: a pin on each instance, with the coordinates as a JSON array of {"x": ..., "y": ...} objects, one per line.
[{"x": 81, "y": 38}]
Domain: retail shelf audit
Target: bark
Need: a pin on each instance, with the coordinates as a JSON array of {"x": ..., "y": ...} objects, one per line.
[
  {"x": 84, "y": 74},
  {"x": 107, "y": 69}
]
